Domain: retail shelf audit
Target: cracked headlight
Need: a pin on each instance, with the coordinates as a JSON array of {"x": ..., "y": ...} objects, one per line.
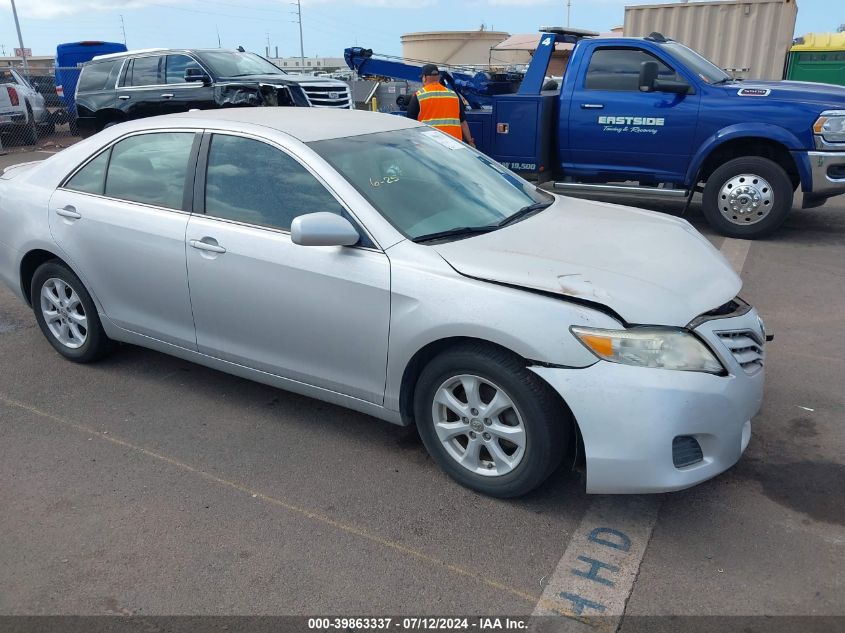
[
  {"x": 660, "y": 348},
  {"x": 831, "y": 126}
]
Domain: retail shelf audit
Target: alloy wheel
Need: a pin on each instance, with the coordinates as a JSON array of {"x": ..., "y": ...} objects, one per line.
[{"x": 479, "y": 425}]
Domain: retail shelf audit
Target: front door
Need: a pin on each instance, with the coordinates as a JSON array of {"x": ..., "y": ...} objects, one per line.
[
  {"x": 317, "y": 315},
  {"x": 179, "y": 95},
  {"x": 124, "y": 233},
  {"x": 615, "y": 128}
]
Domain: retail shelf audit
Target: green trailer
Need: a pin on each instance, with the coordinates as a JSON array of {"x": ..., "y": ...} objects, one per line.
[{"x": 818, "y": 57}]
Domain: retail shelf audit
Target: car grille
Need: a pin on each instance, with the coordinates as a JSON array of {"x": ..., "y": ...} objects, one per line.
[
  {"x": 328, "y": 95},
  {"x": 746, "y": 347}
]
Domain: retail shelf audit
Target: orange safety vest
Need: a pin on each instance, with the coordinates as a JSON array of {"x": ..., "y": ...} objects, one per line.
[{"x": 440, "y": 108}]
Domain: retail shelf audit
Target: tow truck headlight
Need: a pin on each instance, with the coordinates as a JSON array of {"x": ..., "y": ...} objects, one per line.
[
  {"x": 661, "y": 348},
  {"x": 831, "y": 126}
]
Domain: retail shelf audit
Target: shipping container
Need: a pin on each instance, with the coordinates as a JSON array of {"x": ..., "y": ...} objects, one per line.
[
  {"x": 818, "y": 57},
  {"x": 748, "y": 38}
]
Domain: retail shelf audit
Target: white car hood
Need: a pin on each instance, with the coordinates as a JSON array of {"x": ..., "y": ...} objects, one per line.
[{"x": 648, "y": 267}]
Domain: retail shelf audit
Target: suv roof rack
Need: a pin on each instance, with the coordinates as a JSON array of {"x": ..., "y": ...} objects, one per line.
[{"x": 137, "y": 51}]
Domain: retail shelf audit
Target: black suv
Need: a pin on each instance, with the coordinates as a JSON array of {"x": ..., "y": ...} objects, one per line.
[{"x": 136, "y": 84}]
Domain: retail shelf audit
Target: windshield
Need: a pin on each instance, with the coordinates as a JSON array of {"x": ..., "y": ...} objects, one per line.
[
  {"x": 425, "y": 182},
  {"x": 236, "y": 64},
  {"x": 706, "y": 70}
]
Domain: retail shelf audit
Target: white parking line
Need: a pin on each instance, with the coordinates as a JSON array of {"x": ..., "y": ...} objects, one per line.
[
  {"x": 736, "y": 251},
  {"x": 596, "y": 574}
]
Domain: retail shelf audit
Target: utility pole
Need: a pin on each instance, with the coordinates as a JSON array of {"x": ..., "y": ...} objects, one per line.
[
  {"x": 123, "y": 29},
  {"x": 267, "y": 48},
  {"x": 301, "y": 45},
  {"x": 20, "y": 38},
  {"x": 568, "y": 8}
]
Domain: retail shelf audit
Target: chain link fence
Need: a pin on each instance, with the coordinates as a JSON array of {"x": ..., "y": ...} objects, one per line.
[{"x": 37, "y": 110}]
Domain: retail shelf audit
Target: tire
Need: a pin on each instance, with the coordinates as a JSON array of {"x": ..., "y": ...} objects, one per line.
[
  {"x": 747, "y": 197},
  {"x": 495, "y": 466},
  {"x": 29, "y": 133},
  {"x": 73, "y": 312}
]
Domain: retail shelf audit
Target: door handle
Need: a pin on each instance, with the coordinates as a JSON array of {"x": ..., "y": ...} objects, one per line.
[
  {"x": 592, "y": 106},
  {"x": 123, "y": 97},
  {"x": 206, "y": 246},
  {"x": 167, "y": 95},
  {"x": 68, "y": 211}
]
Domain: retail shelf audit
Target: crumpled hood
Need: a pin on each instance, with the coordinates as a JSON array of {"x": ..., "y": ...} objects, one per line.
[{"x": 648, "y": 267}]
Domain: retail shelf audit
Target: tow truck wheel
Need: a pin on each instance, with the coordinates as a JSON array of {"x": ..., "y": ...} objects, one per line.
[{"x": 747, "y": 197}]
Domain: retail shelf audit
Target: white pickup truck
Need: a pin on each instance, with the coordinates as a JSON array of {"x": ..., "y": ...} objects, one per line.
[{"x": 23, "y": 114}]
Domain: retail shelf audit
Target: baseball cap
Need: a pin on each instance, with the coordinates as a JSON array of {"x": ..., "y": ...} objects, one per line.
[{"x": 430, "y": 70}]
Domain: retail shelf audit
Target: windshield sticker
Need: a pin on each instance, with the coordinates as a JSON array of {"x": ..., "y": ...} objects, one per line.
[
  {"x": 631, "y": 124},
  {"x": 444, "y": 139},
  {"x": 754, "y": 92}
]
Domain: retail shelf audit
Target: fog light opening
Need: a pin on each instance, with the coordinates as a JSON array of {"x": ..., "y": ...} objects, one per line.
[{"x": 686, "y": 451}]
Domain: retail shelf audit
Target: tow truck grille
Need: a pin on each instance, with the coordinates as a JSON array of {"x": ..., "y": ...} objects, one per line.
[
  {"x": 746, "y": 347},
  {"x": 328, "y": 96}
]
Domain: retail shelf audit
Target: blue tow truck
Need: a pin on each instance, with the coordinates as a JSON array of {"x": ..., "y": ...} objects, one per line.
[{"x": 649, "y": 116}]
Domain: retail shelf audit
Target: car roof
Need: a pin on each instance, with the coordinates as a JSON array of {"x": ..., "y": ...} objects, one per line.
[{"x": 305, "y": 124}]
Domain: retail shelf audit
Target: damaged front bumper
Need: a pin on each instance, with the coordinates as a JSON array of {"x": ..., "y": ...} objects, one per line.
[{"x": 654, "y": 430}]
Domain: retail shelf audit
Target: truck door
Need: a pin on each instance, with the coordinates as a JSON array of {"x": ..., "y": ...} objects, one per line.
[{"x": 613, "y": 127}]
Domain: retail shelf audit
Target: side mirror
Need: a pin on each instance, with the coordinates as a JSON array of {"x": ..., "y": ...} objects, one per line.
[
  {"x": 648, "y": 76},
  {"x": 323, "y": 229},
  {"x": 670, "y": 85},
  {"x": 197, "y": 74}
]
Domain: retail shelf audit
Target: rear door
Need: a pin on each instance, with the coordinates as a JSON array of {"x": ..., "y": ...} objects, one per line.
[
  {"x": 615, "y": 128},
  {"x": 121, "y": 219},
  {"x": 141, "y": 87}
]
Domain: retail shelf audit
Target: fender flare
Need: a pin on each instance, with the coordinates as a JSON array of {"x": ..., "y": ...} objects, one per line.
[{"x": 766, "y": 131}]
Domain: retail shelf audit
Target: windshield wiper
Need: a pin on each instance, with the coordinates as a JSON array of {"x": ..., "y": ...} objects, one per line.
[
  {"x": 527, "y": 210},
  {"x": 461, "y": 231}
]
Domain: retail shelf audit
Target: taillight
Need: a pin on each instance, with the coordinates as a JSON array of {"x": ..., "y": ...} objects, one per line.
[{"x": 13, "y": 96}]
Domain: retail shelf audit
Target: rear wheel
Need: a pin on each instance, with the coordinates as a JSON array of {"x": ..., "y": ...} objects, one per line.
[
  {"x": 491, "y": 424},
  {"x": 747, "y": 197},
  {"x": 67, "y": 315},
  {"x": 30, "y": 130}
]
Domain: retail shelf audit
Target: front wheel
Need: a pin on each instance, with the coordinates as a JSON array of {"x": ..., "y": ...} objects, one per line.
[
  {"x": 67, "y": 315},
  {"x": 747, "y": 197},
  {"x": 489, "y": 422}
]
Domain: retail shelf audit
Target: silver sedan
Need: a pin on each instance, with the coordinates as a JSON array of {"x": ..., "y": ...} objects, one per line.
[{"x": 376, "y": 263}]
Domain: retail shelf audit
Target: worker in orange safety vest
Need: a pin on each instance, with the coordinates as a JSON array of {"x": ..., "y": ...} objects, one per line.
[{"x": 439, "y": 107}]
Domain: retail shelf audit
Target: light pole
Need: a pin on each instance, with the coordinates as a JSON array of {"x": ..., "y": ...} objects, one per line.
[
  {"x": 301, "y": 45},
  {"x": 20, "y": 39}
]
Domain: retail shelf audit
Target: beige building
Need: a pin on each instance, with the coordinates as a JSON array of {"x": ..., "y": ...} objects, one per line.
[{"x": 451, "y": 47}]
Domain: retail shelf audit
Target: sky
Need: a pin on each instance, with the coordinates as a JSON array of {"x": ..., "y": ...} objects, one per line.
[{"x": 329, "y": 26}]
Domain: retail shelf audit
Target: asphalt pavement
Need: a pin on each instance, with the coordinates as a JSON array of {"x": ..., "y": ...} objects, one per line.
[{"x": 145, "y": 485}]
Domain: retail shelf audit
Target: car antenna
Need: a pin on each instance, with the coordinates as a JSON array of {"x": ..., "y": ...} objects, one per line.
[{"x": 241, "y": 49}]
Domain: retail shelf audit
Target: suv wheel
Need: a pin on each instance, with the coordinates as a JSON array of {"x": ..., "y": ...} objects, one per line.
[
  {"x": 747, "y": 197},
  {"x": 490, "y": 423}
]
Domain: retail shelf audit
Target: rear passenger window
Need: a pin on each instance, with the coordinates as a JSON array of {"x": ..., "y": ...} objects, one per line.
[
  {"x": 619, "y": 69},
  {"x": 150, "y": 168},
  {"x": 95, "y": 76},
  {"x": 145, "y": 72},
  {"x": 253, "y": 182},
  {"x": 91, "y": 178}
]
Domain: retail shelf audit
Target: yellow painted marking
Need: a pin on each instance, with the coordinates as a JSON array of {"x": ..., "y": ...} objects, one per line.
[{"x": 310, "y": 514}]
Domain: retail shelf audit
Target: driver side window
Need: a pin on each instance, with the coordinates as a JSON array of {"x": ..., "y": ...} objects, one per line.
[
  {"x": 252, "y": 182},
  {"x": 619, "y": 69}
]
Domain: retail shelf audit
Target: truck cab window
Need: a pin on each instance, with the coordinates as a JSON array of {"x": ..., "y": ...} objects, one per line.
[{"x": 619, "y": 69}]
